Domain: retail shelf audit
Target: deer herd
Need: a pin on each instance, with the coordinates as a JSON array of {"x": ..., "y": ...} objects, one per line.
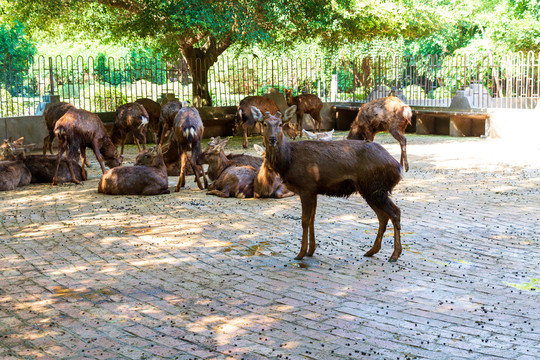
[{"x": 282, "y": 169}]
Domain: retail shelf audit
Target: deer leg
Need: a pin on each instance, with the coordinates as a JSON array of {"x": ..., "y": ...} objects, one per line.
[
  {"x": 163, "y": 130},
  {"x": 395, "y": 216},
  {"x": 182, "y": 177},
  {"x": 195, "y": 170},
  {"x": 299, "y": 121},
  {"x": 58, "y": 159},
  {"x": 99, "y": 157},
  {"x": 70, "y": 167},
  {"x": 312, "y": 244},
  {"x": 317, "y": 117},
  {"x": 46, "y": 143},
  {"x": 83, "y": 161},
  {"x": 403, "y": 144},
  {"x": 308, "y": 202},
  {"x": 383, "y": 221},
  {"x": 123, "y": 143},
  {"x": 244, "y": 134}
]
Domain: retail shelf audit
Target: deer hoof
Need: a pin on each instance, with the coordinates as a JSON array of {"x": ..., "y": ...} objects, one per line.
[
  {"x": 392, "y": 260},
  {"x": 298, "y": 257}
]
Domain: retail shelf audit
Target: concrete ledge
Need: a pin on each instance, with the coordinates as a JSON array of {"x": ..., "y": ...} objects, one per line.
[{"x": 32, "y": 128}]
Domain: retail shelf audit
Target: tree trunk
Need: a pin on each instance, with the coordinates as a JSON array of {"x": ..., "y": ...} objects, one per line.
[
  {"x": 198, "y": 66},
  {"x": 199, "y": 62}
]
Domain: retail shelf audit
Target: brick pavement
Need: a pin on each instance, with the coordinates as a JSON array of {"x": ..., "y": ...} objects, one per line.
[{"x": 190, "y": 276}]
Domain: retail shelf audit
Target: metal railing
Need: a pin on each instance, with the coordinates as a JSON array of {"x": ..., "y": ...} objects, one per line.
[{"x": 102, "y": 84}]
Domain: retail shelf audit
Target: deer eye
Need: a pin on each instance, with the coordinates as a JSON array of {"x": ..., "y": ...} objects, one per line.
[
  {"x": 280, "y": 124},
  {"x": 264, "y": 124}
]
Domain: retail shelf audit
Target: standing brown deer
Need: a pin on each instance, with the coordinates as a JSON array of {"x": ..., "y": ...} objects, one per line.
[
  {"x": 154, "y": 110},
  {"x": 166, "y": 119},
  {"x": 51, "y": 115},
  {"x": 130, "y": 118},
  {"x": 334, "y": 168},
  {"x": 244, "y": 116},
  {"x": 77, "y": 130},
  {"x": 305, "y": 104},
  {"x": 384, "y": 114},
  {"x": 188, "y": 130}
]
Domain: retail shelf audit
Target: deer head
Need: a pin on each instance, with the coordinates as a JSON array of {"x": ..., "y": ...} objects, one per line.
[{"x": 272, "y": 125}]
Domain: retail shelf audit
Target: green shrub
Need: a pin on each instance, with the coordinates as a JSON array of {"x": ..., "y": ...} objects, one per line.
[
  {"x": 414, "y": 92},
  {"x": 108, "y": 99},
  {"x": 8, "y": 107},
  {"x": 442, "y": 92}
]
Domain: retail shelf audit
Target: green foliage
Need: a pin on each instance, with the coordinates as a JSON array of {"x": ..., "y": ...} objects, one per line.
[
  {"x": 442, "y": 92},
  {"x": 15, "y": 43},
  {"x": 15, "y": 48},
  {"x": 108, "y": 98}
]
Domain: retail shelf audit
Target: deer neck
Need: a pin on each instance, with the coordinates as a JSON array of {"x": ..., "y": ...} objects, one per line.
[
  {"x": 278, "y": 157},
  {"x": 218, "y": 164}
]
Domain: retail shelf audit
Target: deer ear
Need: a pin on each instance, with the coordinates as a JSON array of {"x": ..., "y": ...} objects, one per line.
[
  {"x": 224, "y": 142},
  {"x": 289, "y": 113},
  {"x": 257, "y": 114},
  {"x": 259, "y": 150}
]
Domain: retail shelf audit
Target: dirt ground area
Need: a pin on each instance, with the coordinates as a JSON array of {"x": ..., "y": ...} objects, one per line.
[{"x": 191, "y": 276}]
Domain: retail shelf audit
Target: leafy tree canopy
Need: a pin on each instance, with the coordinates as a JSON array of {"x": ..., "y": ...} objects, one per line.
[{"x": 15, "y": 43}]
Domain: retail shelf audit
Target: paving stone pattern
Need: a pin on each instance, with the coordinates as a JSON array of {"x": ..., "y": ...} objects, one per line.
[{"x": 191, "y": 276}]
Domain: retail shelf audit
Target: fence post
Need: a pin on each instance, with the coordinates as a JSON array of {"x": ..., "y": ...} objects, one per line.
[{"x": 51, "y": 77}]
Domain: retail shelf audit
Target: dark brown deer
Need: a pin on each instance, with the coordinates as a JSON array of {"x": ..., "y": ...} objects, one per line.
[
  {"x": 137, "y": 180},
  {"x": 41, "y": 166},
  {"x": 188, "y": 130},
  {"x": 13, "y": 174},
  {"x": 166, "y": 119},
  {"x": 130, "y": 118},
  {"x": 384, "y": 114},
  {"x": 216, "y": 146},
  {"x": 305, "y": 104},
  {"x": 230, "y": 179},
  {"x": 51, "y": 115},
  {"x": 77, "y": 130},
  {"x": 334, "y": 168},
  {"x": 153, "y": 109},
  {"x": 244, "y": 117},
  {"x": 267, "y": 182}
]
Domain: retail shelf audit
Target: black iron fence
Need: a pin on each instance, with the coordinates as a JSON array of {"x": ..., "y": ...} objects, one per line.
[{"x": 102, "y": 84}]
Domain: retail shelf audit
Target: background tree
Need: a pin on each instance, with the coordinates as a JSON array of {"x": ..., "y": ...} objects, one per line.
[{"x": 203, "y": 29}]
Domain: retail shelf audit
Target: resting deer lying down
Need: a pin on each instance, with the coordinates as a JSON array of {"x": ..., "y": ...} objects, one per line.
[
  {"x": 42, "y": 167},
  {"x": 333, "y": 168},
  {"x": 13, "y": 173},
  {"x": 216, "y": 163},
  {"x": 231, "y": 179},
  {"x": 322, "y": 136},
  {"x": 137, "y": 180},
  {"x": 267, "y": 183}
]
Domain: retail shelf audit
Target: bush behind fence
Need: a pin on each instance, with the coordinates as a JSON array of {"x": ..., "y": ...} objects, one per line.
[{"x": 102, "y": 84}]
